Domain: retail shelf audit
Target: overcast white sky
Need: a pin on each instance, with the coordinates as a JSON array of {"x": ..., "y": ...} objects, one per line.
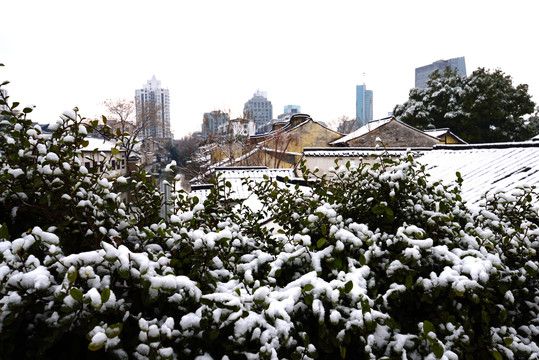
[{"x": 214, "y": 54}]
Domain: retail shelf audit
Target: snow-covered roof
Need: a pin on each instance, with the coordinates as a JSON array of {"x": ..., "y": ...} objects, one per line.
[
  {"x": 99, "y": 144},
  {"x": 289, "y": 128},
  {"x": 438, "y": 133},
  {"x": 236, "y": 175},
  {"x": 365, "y": 129},
  {"x": 357, "y": 151},
  {"x": 484, "y": 167}
]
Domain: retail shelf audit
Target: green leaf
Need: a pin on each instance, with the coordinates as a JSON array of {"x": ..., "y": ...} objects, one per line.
[
  {"x": 348, "y": 286},
  {"x": 428, "y": 327},
  {"x": 94, "y": 347},
  {"x": 497, "y": 355},
  {"x": 365, "y": 306},
  {"x": 343, "y": 352},
  {"x": 508, "y": 341},
  {"x": 338, "y": 263},
  {"x": 322, "y": 331},
  {"x": 409, "y": 281},
  {"x": 114, "y": 330},
  {"x": 362, "y": 260},
  {"x": 214, "y": 334},
  {"x": 105, "y": 295},
  {"x": 114, "y": 151},
  {"x": 320, "y": 243},
  {"x": 76, "y": 294},
  {"x": 72, "y": 275},
  {"x": 378, "y": 209},
  {"x": 205, "y": 301},
  {"x": 438, "y": 350},
  {"x": 308, "y": 287},
  {"x": 4, "y": 232}
]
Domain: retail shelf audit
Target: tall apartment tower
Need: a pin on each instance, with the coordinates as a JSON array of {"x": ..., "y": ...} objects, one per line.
[
  {"x": 215, "y": 123},
  {"x": 153, "y": 110},
  {"x": 422, "y": 73},
  {"x": 364, "y": 105},
  {"x": 259, "y": 109}
]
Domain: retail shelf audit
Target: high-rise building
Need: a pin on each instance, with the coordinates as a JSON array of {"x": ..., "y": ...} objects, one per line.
[
  {"x": 215, "y": 123},
  {"x": 153, "y": 110},
  {"x": 259, "y": 109},
  {"x": 292, "y": 109},
  {"x": 422, "y": 73},
  {"x": 289, "y": 110},
  {"x": 364, "y": 105}
]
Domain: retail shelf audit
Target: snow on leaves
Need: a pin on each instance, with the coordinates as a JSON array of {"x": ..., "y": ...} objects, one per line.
[{"x": 370, "y": 261}]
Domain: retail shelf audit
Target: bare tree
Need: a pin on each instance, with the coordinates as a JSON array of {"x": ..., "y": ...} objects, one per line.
[
  {"x": 344, "y": 124},
  {"x": 121, "y": 126},
  {"x": 122, "y": 108},
  {"x": 148, "y": 118}
]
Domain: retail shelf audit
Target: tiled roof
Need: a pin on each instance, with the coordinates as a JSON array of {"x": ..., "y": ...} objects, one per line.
[
  {"x": 484, "y": 167},
  {"x": 438, "y": 133},
  {"x": 365, "y": 129},
  {"x": 236, "y": 176},
  {"x": 358, "y": 151}
]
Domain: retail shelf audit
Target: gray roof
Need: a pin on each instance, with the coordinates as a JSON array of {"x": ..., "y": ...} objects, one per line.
[
  {"x": 485, "y": 167},
  {"x": 236, "y": 176}
]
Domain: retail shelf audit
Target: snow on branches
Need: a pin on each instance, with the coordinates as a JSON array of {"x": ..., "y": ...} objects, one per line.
[{"x": 369, "y": 261}]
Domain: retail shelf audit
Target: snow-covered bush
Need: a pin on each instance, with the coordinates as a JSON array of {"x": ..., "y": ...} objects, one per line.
[{"x": 368, "y": 262}]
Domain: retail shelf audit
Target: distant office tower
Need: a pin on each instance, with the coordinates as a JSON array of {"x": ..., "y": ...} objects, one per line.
[
  {"x": 259, "y": 109},
  {"x": 292, "y": 109},
  {"x": 215, "y": 123},
  {"x": 153, "y": 110},
  {"x": 289, "y": 110},
  {"x": 422, "y": 73},
  {"x": 364, "y": 105}
]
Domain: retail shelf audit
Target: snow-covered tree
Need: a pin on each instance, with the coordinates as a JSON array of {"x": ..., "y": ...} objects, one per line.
[
  {"x": 367, "y": 262},
  {"x": 483, "y": 107}
]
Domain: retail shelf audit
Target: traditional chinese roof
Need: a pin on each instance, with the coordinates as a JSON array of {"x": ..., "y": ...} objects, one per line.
[
  {"x": 485, "y": 167},
  {"x": 237, "y": 175}
]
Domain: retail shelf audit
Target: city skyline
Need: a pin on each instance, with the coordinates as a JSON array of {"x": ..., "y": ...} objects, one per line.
[{"x": 66, "y": 59}]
